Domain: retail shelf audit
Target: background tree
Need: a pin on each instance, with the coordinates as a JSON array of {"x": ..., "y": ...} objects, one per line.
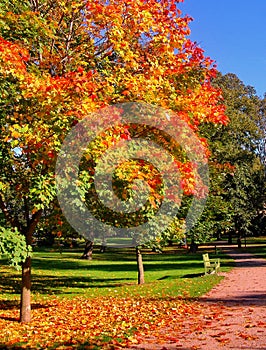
[
  {"x": 237, "y": 190},
  {"x": 61, "y": 60}
]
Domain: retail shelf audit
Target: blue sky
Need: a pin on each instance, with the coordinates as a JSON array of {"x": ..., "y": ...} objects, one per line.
[{"x": 233, "y": 33}]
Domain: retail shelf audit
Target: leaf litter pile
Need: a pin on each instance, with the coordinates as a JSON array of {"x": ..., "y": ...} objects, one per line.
[
  {"x": 104, "y": 322},
  {"x": 116, "y": 323}
]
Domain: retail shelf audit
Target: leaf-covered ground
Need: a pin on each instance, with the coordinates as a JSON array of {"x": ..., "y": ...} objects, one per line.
[
  {"x": 230, "y": 315},
  {"x": 129, "y": 323},
  {"x": 96, "y": 304},
  {"x": 104, "y": 322}
]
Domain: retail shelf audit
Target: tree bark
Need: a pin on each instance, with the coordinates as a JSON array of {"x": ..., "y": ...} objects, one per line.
[
  {"x": 87, "y": 254},
  {"x": 25, "y": 300},
  {"x": 230, "y": 237},
  {"x": 193, "y": 247},
  {"x": 141, "y": 279}
]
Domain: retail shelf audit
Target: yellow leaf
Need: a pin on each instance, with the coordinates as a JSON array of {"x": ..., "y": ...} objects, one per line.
[{"x": 15, "y": 134}]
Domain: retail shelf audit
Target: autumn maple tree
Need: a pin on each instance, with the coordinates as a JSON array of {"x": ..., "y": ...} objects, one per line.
[{"x": 60, "y": 61}]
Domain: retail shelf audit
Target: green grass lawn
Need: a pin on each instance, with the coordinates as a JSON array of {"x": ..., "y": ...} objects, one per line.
[
  {"x": 173, "y": 279},
  {"x": 256, "y": 246},
  {"x": 172, "y": 273}
]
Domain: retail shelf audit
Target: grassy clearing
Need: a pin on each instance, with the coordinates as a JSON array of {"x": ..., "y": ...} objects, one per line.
[
  {"x": 81, "y": 304},
  {"x": 113, "y": 273},
  {"x": 256, "y": 246}
]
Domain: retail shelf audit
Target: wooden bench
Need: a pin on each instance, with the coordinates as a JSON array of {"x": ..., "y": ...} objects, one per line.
[{"x": 210, "y": 265}]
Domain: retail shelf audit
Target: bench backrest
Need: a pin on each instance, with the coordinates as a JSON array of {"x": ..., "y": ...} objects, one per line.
[{"x": 206, "y": 259}]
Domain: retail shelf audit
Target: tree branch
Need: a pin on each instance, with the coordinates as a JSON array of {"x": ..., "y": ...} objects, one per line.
[{"x": 32, "y": 226}]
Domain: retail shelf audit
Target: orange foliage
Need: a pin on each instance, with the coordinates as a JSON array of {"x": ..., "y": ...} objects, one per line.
[{"x": 107, "y": 322}]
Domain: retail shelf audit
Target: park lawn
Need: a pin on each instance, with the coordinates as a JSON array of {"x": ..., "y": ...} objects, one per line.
[
  {"x": 259, "y": 250},
  {"x": 81, "y": 304},
  {"x": 173, "y": 273},
  {"x": 256, "y": 246}
]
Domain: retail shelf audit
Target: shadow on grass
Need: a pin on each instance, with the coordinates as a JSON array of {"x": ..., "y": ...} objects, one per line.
[
  {"x": 189, "y": 275},
  {"x": 59, "y": 284},
  {"x": 15, "y": 305},
  {"x": 81, "y": 274},
  {"x": 156, "y": 262},
  {"x": 110, "y": 262},
  {"x": 193, "y": 275}
]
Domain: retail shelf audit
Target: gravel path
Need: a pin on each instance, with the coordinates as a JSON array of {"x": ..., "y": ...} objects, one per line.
[{"x": 234, "y": 314}]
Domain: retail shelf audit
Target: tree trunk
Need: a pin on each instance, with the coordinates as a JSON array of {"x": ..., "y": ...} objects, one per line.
[
  {"x": 140, "y": 266},
  {"x": 87, "y": 254},
  {"x": 25, "y": 300},
  {"x": 193, "y": 247},
  {"x": 230, "y": 237},
  {"x": 25, "y": 304}
]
